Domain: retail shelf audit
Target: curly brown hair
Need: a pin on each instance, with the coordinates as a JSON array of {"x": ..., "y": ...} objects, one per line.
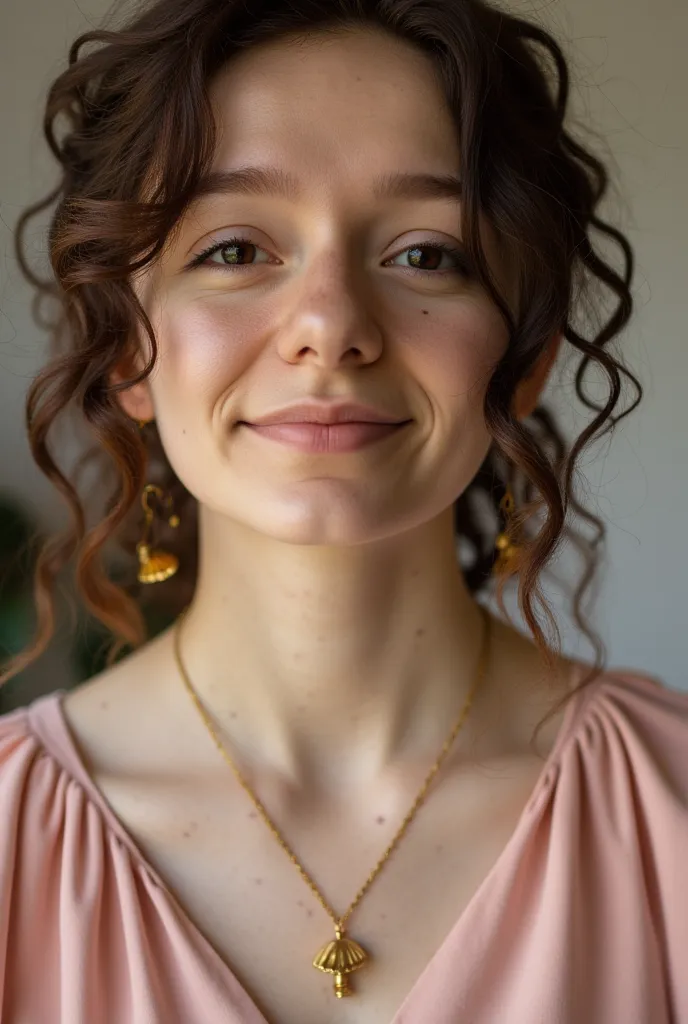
[{"x": 139, "y": 137}]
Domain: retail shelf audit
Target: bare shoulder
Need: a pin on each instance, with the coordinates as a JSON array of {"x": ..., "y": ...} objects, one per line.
[
  {"x": 524, "y": 692},
  {"x": 109, "y": 714}
]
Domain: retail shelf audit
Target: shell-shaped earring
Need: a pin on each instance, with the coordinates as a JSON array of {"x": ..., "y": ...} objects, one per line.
[
  {"x": 155, "y": 566},
  {"x": 510, "y": 553}
]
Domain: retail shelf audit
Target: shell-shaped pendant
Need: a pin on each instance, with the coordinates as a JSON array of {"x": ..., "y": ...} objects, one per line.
[{"x": 341, "y": 956}]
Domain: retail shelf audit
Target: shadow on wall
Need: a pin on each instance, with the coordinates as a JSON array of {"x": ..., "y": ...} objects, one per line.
[{"x": 86, "y": 642}]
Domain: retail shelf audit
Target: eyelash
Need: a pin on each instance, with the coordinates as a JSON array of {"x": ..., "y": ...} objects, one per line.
[{"x": 462, "y": 268}]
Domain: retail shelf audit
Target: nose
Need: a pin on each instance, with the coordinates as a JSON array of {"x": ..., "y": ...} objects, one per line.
[{"x": 330, "y": 322}]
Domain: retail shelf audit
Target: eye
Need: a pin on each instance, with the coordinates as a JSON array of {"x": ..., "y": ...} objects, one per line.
[
  {"x": 234, "y": 251},
  {"x": 417, "y": 255},
  {"x": 238, "y": 249}
]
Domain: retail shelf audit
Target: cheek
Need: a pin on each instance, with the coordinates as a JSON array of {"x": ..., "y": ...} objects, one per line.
[
  {"x": 203, "y": 349},
  {"x": 452, "y": 360},
  {"x": 452, "y": 355}
]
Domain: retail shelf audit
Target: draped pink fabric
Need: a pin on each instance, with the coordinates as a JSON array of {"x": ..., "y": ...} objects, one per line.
[{"x": 582, "y": 920}]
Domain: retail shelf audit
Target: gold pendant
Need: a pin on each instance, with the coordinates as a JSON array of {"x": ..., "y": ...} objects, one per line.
[{"x": 340, "y": 957}]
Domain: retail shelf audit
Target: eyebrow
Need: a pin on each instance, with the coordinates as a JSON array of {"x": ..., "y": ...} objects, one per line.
[{"x": 273, "y": 181}]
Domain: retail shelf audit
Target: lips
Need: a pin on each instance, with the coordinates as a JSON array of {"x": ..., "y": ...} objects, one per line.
[
  {"x": 313, "y": 411},
  {"x": 326, "y": 439}
]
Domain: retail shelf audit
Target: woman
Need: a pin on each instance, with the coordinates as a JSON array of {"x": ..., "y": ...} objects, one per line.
[{"x": 371, "y": 208}]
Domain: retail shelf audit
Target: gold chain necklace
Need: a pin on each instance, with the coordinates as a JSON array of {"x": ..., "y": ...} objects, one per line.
[{"x": 342, "y": 955}]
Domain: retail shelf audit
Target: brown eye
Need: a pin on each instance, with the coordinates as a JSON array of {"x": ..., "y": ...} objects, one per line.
[
  {"x": 427, "y": 258},
  {"x": 235, "y": 252}
]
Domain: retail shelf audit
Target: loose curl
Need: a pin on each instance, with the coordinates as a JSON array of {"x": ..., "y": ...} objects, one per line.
[{"x": 140, "y": 136}]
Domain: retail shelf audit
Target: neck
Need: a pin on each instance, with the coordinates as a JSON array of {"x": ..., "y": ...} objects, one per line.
[{"x": 331, "y": 664}]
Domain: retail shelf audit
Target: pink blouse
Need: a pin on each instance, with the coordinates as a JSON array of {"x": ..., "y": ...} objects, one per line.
[{"x": 583, "y": 919}]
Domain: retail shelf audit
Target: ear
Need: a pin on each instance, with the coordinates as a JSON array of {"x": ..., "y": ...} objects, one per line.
[
  {"x": 136, "y": 401},
  {"x": 529, "y": 390}
]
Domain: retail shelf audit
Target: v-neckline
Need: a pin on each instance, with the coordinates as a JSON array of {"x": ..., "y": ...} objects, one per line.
[{"x": 48, "y": 709}]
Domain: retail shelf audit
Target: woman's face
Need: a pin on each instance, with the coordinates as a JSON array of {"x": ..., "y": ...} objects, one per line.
[{"x": 338, "y": 290}]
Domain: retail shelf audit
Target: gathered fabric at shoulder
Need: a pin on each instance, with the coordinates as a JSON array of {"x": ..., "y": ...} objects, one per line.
[
  {"x": 653, "y": 721},
  {"x": 86, "y": 932},
  {"x": 628, "y": 766},
  {"x": 18, "y": 749},
  {"x": 586, "y": 917}
]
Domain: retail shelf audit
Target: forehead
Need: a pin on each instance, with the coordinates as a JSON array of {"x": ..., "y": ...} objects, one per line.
[{"x": 339, "y": 108}]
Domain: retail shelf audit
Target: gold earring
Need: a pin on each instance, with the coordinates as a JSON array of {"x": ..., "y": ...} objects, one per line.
[
  {"x": 510, "y": 553},
  {"x": 155, "y": 566}
]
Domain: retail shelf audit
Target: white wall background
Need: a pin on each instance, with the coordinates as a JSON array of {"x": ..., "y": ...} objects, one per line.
[{"x": 630, "y": 83}]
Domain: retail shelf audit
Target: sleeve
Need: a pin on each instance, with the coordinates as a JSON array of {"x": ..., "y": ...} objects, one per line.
[
  {"x": 89, "y": 932},
  {"x": 17, "y": 752},
  {"x": 651, "y": 722}
]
